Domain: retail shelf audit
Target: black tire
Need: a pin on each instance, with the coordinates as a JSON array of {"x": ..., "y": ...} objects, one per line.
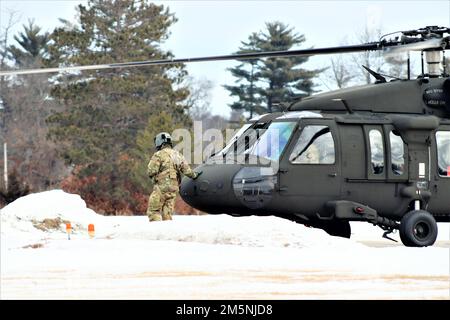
[
  {"x": 338, "y": 228},
  {"x": 405, "y": 240},
  {"x": 418, "y": 228}
]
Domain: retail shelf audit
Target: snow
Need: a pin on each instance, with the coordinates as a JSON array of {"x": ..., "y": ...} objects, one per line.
[
  {"x": 205, "y": 257},
  {"x": 18, "y": 218},
  {"x": 49, "y": 204}
]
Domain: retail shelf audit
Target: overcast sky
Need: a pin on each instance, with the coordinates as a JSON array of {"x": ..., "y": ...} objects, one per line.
[{"x": 218, "y": 27}]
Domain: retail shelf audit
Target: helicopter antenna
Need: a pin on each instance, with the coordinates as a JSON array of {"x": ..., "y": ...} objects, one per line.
[
  {"x": 389, "y": 76},
  {"x": 376, "y": 75}
]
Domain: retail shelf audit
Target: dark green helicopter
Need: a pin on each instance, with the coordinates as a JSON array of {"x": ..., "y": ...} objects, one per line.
[{"x": 378, "y": 153}]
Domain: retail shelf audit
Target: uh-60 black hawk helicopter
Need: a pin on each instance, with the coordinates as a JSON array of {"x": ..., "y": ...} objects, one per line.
[{"x": 378, "y": 153}]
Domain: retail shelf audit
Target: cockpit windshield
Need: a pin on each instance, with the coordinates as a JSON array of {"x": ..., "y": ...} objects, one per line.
[
  {"x": 273, "y": 140},
  {"x": 235, "y": 138},
  {"x": 266, "y": 140}
]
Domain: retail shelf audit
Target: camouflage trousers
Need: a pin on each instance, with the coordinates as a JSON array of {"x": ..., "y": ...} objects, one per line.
[{"x": 160, "y": 205}]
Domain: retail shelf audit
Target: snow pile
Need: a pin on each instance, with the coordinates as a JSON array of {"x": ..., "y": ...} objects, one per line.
[
  {"x": 37, "y": 216},
  {"x": 223, "y": 229}
]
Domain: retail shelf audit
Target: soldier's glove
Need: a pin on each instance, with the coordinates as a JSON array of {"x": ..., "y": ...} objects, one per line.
[{"x": 198, "y": 174}]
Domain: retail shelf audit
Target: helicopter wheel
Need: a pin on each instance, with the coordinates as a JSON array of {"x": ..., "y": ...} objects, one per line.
[
  {"x": 418, "y": 228},
  {"x": 338, "y": 228}
]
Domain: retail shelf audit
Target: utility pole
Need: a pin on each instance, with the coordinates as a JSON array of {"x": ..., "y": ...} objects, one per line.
[
  {"x": 5, "y": 164},
  {"x": 5, "y": 149}
]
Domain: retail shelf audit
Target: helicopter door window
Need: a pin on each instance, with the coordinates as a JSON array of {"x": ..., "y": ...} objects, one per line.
[
  {"x": 314, "y": 146},
  {"x": 443, "y": 152},
  {"x": 397, "y": 153},
  {"x": 376, "y": 151}
]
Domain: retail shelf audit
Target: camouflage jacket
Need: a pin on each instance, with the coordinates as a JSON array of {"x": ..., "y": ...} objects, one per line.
[{"x": 166, "y": 167}]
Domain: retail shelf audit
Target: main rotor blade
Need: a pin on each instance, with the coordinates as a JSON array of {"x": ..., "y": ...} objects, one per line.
[{"x": 242, "y": 56}]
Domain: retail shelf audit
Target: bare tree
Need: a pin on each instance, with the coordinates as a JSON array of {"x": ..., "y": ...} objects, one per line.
[
  {"x": 5, "y": 34},
  {"x": 348, "y": 70},
  {"x": 373, "y": 60},
  {"x": 397, "y": 65},
  {"x": 340, "y": 73},
  {"x": 199, "y": 99},
  {"x": 25, "y": 109}
]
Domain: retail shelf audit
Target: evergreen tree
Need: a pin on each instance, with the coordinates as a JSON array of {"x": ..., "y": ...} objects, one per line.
[
  {"x": 284, "y": 78},
  {"x": 271, "y": 81},
  {"x": 106, "y": 109},
  {"x": 33, "y": 46},
  {"x": 247, "y": 78}
]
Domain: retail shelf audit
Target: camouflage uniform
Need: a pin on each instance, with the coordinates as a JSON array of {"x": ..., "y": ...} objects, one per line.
[{"x": 165, "y": 169}]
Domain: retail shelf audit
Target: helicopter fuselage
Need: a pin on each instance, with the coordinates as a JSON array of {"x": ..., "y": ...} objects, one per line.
[{"x": 371, "y": 153}]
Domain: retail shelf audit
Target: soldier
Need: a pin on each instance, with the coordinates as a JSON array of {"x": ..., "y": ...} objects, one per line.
[{"x": 165, "y": 169}]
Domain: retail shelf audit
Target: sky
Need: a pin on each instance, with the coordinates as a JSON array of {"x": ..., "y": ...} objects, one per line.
[{"x": 218, "y": 27}]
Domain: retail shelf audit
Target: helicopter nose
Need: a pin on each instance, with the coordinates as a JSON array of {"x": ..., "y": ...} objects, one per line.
[{"x": 212, "y": 192}]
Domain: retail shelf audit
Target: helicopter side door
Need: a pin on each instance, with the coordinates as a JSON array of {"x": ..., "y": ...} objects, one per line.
[
  {"x": 440, "y": 176},
  {"x": 310, "y": 166},
  {"x": 374, "y": 166}
]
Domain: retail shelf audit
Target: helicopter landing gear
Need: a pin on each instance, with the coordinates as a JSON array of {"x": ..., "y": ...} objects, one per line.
[
  {"x": 338, "y": 228},
  {"x": 418, "y": 228}
]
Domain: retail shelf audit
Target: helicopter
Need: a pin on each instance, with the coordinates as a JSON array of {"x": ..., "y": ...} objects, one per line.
[{"x": 378, "y": 153}]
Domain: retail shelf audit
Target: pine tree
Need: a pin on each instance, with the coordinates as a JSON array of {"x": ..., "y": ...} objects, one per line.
[
  {"x": 247, "y": 78},
  {"x": 33, "y": 46},
  {"x": 284, "y": 78},
  {"x": 271, "y": 81},
  {"x": 106, "y": 109}
]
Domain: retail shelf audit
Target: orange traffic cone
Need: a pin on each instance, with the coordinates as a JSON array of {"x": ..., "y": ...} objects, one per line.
[
  {"x": 91, "y": 231},
  {"x": 68, "y": 230}
]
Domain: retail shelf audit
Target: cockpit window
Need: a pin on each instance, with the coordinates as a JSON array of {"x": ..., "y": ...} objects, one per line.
[
  {"x": 273, "y": 140},
  {"x": 376, "y": 151},
  {"x": 314, "y": 146},
  {"x": 443, "y": 152},
  {"x": 266, "y": 140},
  {"x": 244, "y": 139},
  {"x": 235, "y": 137}
]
